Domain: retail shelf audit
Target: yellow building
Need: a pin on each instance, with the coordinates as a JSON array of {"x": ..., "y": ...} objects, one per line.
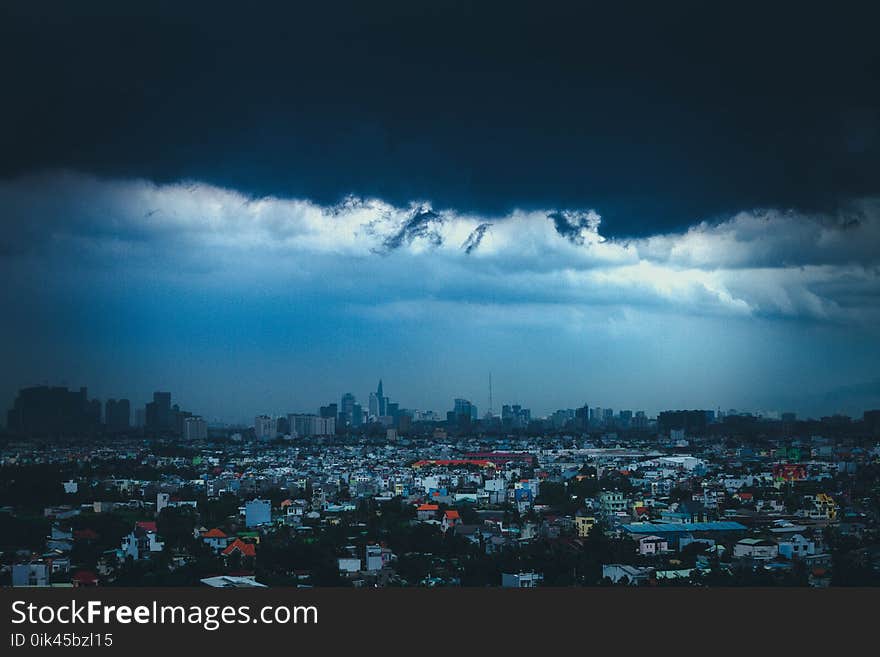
[
  {"x": 584, "y": 524},
  {"x": 824, "y": 506}
]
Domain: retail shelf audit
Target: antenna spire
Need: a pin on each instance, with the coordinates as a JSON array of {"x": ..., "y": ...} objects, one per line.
[{"x": 490, "y": 395}]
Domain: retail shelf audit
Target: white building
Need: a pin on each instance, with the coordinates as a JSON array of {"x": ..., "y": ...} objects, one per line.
[
  {"x": 796, "y": 547},
  {"x": 651, "y": 545},
  {"x": 264, "y": 427},
  {"x": 756, "y": 548},
  {"x": 374, "y": 557},
  {"x": 142, "y": 542},
  {"x": 233, "y": 582},
  {"x": 618, "y": 573},
  {"x": 311, "y": 425},
  {"x": 521, "y": 580},
  {"x": 162, "y": 500},
  {"x": 195, "y": 428},
  {"x": 349, "y": 564}
]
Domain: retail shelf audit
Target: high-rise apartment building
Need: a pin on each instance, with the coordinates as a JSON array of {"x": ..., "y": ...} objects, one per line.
[
  {"x": 195, "y": 428},
  {"x": 264, "y": 427}
]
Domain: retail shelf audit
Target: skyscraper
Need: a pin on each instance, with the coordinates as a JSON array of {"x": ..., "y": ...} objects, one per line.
[
  {"x": 330, "y": 410},
  {"x": 195, "y": 428},
  {"x": 515, "y": 416},
  {"x": 462, "y": 414},
  {"x": 582, "y": 417},
  {"x": 346, "y": 408},
  {"x": 45, "y": 410},
  {"x": 264, "y": 427},
  {"x": 311, "y": 425},
  {"x": 117, "y": 414},
  {"x": 383, "y": 400},
  {"x": 357, "y": 415},
  {"x": 158, "y": 412}
]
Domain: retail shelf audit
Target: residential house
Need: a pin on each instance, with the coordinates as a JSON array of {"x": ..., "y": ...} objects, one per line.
[
  {"x": 349, "y": 564},
  {"x": 216, "y": 539},
  {"x": 427, "y": 511},
  {"x": 652, "y": 545},
  {"x": 30, "y": 574},
  {"x": 612, "y": 502},
  {"x": 620, "y": 573},
  {"x": 756, "y": 548},
  {"x": 450, "y": 519},
  {"x": 797, "y": 547},
  {"x": 257, "y": 512},
  {"x": 244, "y": 550},
  {"x": 528, "y": 580},
  {"x": 142, "y": 541}
]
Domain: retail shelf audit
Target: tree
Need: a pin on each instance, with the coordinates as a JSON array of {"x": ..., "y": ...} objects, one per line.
[{"x": 175, "y": 526}]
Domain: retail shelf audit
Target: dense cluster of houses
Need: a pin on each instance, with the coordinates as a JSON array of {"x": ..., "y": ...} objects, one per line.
[{"x": 686, "y": 508}]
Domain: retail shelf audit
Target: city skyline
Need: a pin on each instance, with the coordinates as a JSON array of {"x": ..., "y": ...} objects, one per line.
[{"x": 134, "y": 406}]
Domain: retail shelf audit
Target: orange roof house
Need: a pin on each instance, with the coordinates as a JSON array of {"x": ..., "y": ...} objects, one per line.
[
  {"x": 451, "y": 518},
  {"x": 245, "y": 549},
  {"x": 214, "y": 533}
]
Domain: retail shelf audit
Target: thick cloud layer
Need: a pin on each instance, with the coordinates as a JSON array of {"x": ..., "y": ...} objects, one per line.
[
  {"x": 768, "y": 263},
  {"x": 242, "y": 305}
]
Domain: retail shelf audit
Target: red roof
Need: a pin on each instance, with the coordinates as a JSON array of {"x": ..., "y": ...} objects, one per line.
[
  {"x": 85, "y": 577},
  {"x": 86, "y": 534},
  {"x": 246, "y": 549},
  {"x": 147, "y": 525},
  {"x": 451, "y": 515},
  {"x": 483, "y": 463},
  {"x": 214, "y": 533},
  {"x": 428, "y": 507},
  {"x": 500, "y": 458}
]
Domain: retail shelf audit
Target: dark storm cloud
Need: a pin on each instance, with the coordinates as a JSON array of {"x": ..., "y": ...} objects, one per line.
[
  {"x": 655, "y": 115},
  {"x": 423, "y": 223},
  {"x": 571, "y": 225},
  {"x": 473, "y": 240}
]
